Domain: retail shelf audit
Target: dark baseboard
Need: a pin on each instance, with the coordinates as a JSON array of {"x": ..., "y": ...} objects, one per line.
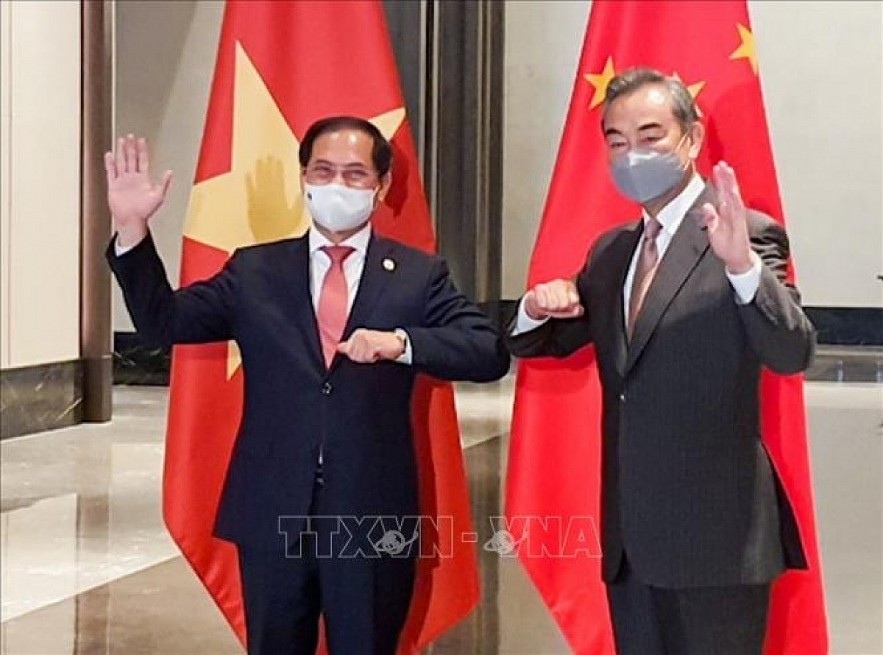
[
  {"x": 136, "y": 362},
  {"x": 38, "y": 398},
  {"x": 848, "y": 326}
]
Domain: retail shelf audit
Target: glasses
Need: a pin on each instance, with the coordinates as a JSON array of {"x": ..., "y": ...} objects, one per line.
[{"x": 325, "y": 174}]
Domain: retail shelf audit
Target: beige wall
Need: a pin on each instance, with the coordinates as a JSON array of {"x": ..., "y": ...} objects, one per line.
[
  {"x": 39, "y": 182},
  {"x": 165, "y": 57},
  {"x": 822, "y": 68},
  {"x": 542, "y": 45},
  {"x": 822, "y": 73}
]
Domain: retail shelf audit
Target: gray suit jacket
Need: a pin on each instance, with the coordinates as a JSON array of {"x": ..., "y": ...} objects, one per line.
[{"x": 688, "y": 489}]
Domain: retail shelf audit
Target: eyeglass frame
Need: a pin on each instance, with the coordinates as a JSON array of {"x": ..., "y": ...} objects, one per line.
[{"x": 341, "y": 171}]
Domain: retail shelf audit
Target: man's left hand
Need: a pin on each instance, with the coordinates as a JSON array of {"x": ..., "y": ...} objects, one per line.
[
  {"x": 369, "y": 346},
  {"x": 728, "y": 223}
]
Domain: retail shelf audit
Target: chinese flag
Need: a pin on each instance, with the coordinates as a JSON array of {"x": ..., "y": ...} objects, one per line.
[
  {"x": 281, "y": 66},
  {"x": 554, "y": 464}
]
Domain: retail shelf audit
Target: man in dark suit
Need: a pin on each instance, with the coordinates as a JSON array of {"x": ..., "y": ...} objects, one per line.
[
  {"x": 332, "y": 327},
  {"x": 684, "y": 307}
]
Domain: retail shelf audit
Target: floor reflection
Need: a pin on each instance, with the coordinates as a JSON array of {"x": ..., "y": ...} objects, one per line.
[{"x": 87, "y": 566}]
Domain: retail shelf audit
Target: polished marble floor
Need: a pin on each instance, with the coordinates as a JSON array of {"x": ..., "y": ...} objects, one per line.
[{"x": 87, "y": 566}]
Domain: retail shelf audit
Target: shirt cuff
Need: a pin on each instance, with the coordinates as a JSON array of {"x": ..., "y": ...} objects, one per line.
[
  {"x": 524, "y": 323},
  {"x": 746, "y": 284},
  {"x": 407, "y": 356},
  {"x": 119, "y": 250}
]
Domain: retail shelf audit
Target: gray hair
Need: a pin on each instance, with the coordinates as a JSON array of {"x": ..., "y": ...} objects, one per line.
[{"x": 682, "y": 105}]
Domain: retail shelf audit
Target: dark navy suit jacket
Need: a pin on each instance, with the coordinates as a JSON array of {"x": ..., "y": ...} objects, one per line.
[{"x": 358, "y": 413}]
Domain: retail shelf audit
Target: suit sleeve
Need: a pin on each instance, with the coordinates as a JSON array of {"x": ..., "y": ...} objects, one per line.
[
  {"x": 199, "y": 313},
  {"x": 456, "y": 341},
  {"x": 556, "y": 337},
  {"x": 778, "y": 330}
]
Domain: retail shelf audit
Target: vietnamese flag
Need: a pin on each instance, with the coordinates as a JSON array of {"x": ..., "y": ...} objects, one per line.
[
  {"x": 554, "y": 462},
  {"x": 280, "y": 67}
]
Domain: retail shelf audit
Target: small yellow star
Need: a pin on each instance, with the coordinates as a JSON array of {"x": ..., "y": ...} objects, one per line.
[
  {"x": 694, "y": 89},
  {"x": 600, "y": 81},
  {"x": 746, "y": 49},
  {"x": 259, "y": 199}
]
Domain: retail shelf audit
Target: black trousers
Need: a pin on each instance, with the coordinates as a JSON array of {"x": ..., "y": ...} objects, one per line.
[
  {"x": 363, "y": 600},
  {"x": 695, "y": 621}
]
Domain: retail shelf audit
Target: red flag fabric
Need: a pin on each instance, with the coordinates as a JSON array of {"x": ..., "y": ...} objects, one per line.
[
  {"x": 281, "y": 66},
  {"x": 554, "y": 462}
]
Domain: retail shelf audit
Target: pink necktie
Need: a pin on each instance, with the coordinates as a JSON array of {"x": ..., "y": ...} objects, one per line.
[
  {"x": 333, "y": 298},
  {"x": 648, "y": 260}
]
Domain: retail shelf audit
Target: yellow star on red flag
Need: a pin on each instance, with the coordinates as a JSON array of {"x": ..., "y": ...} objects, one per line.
[
  {"x": 600, "y": 81},
  {"x": 747, "y": 49},
  {"x": 695, "y": 89},
  {"x": 260, "y": 198}
]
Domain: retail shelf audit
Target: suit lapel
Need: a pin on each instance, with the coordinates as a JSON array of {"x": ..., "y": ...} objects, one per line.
[
  {"x": 296, "y": 282},
  {"x": 374, "y": 281},
  {"x": 687, "y": 247}
]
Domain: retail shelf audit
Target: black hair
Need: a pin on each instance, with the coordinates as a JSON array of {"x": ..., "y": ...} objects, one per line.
[{"x": 381, "y": 152}]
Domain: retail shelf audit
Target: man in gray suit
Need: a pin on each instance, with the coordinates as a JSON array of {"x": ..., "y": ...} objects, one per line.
[{"x": 684, "y": 307}]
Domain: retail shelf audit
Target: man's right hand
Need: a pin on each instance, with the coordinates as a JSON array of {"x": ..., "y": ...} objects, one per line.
[
  {"x": 555, "y": 299},
  {"x": 131, "y": 195}
]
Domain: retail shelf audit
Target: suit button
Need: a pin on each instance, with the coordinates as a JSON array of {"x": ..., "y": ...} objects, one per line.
[
  {"x": 326, "y": 389},
  {"x": 622, "y": 397}
]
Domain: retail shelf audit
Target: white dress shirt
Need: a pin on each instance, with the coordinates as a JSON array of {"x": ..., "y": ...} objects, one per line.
[
  {"x": 670, "y": 217},
  {"x": 320, "y": 264},
  {"x": 353, "y": 266}
]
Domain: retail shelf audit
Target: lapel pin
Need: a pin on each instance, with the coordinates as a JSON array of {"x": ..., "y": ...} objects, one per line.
[{"x": 389, "y": 264}]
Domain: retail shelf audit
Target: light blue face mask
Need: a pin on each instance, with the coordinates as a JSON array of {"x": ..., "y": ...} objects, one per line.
[{"x": 643, "y": 174}]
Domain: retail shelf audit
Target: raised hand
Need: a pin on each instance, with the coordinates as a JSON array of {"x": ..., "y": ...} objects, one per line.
[
  {"x": 131, "y": 195},
  {"x": 555, "y": 299},
  {"x": 728, "y": 223}
]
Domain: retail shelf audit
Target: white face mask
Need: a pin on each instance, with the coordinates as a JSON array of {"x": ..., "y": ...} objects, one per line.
[{"x": 339, "y": 208}]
